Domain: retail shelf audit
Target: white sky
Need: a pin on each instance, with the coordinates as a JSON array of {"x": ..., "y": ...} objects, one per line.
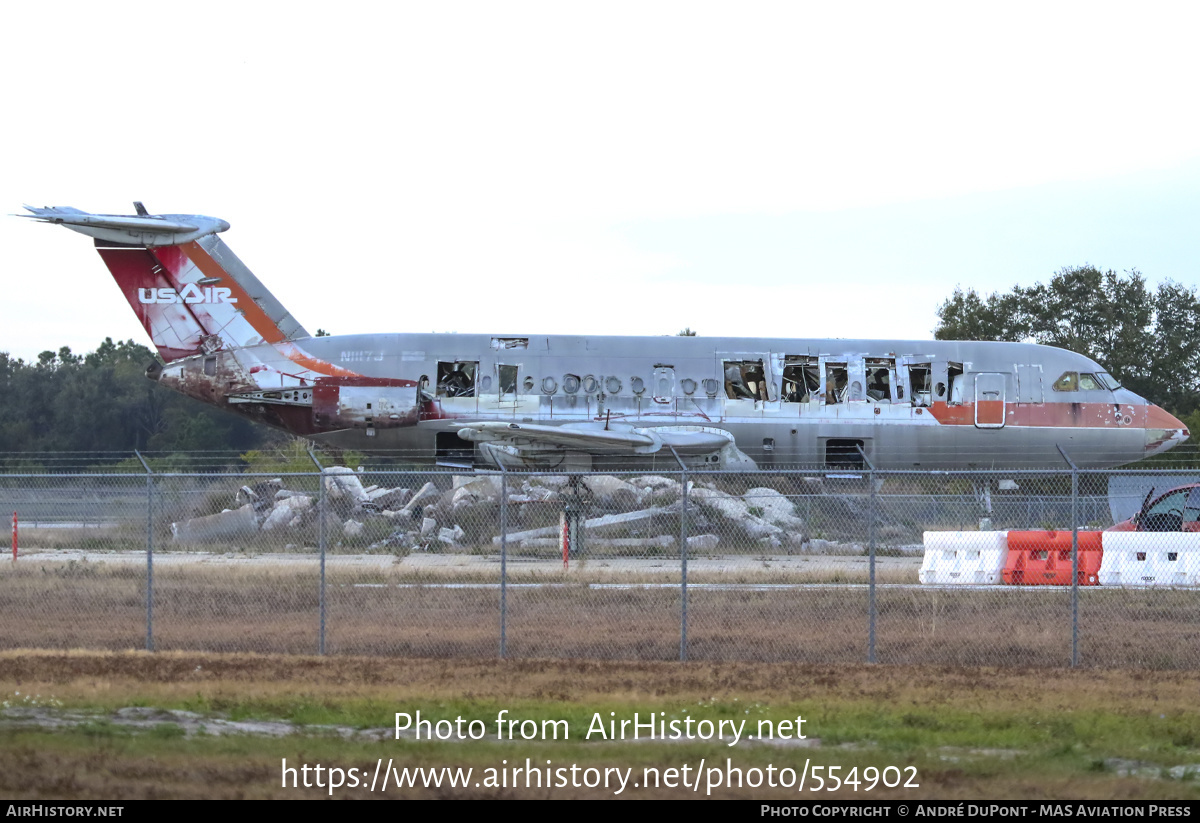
[{"x": 791, "y": 170}]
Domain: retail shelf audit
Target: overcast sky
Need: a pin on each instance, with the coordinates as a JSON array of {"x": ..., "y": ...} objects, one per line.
[{"x": 784, "y": 170}]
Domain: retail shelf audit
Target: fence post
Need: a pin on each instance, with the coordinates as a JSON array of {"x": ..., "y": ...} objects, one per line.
[
  {"x": 321, "y": 543},
  {"x": 871, "y": 605},
  {"x": 503, "y": 560},
  {"x": 1074, "y": 557},
  {"x": 149, "y": 552},
  {"x": 683, "y": 555}
]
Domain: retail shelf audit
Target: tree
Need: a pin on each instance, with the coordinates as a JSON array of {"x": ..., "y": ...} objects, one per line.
[
  {"x": 686, "y": 331},
  {"x": 102, "y": 401}
]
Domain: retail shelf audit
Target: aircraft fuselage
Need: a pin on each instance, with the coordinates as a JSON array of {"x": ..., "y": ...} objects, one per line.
[{"x": 941, "y": 404}]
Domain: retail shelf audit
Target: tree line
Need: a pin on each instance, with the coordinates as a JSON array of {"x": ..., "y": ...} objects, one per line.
[{"x": 102, "y": 401}]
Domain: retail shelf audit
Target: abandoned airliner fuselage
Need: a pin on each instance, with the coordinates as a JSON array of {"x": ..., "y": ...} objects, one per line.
[{"x": 574, "y": 402}]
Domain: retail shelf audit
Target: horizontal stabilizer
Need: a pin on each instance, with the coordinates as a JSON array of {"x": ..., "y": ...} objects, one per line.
[{"x": 148, "y": 230}]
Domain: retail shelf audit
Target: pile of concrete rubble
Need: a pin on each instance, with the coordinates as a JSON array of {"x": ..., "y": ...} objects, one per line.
[{"x": 642, "y": 512}]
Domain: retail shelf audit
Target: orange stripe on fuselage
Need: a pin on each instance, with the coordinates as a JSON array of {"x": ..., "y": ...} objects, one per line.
[
  {"x": 1057, "y": 415},
  {"x": 257, "y": 318}
]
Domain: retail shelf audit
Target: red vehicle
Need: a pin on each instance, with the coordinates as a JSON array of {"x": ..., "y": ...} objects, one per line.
[{"x": 1177, "y": 510}]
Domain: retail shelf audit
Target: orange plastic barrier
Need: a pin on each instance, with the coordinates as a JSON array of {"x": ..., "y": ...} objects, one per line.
[{"x": 1044, "y": 559}]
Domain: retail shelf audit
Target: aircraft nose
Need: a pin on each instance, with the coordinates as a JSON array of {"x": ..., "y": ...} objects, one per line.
[{"x": 1163, "y": 430}]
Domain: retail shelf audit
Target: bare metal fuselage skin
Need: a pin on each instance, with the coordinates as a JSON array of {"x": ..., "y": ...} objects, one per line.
[
  {"x": 682, "y": 384},
  {"x": 524, "y": 400}
]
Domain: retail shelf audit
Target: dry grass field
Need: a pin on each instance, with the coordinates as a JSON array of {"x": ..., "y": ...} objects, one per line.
[{"x": 612, "y": 610}]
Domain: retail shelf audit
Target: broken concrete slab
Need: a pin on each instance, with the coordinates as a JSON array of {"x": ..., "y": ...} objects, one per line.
[
  {"x": 452, "y": 536},
  {"x": 776, "y": 508},
  {"x": 426, "y": 494},
  {"x": 342, "y": 483},
  {"x": 736, "y": 510},
  {"x": 612, "y": 492},
  {"x": 481, "y": 489},
  {"x": 286, "y": 510},
  {"x": 596, "y": 525},
  {"x": 389, "y": 498},
  {"x": 238, "y": 522}
]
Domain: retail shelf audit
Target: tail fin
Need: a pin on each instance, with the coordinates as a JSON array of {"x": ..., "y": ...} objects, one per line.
[{"x": 188, "y": 288}]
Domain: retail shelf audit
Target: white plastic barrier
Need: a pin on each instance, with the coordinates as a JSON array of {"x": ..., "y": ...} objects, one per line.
[
  {"x": 1150, "y": 559},
  {"x": 964, "y": 557}
]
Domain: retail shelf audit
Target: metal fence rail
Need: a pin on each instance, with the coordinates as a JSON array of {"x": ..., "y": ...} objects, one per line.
[{"x": 809, "y": 566}]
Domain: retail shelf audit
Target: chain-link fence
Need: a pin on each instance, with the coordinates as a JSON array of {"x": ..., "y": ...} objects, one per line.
[{"x": 818, "y": 566}]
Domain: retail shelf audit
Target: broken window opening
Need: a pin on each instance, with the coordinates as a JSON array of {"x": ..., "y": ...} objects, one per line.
[
  {"x": 880, "y": 379},
  {"x": 801, "y": 379},
  {"x": 210, "y": 367},
  {"x": 745, "y": 380},
  {"x": 954, "y": 373},
  {"x": 502, "y": 343},
  {"x": 837, "y": 383},
  {"x": 844, "y": 454},
  {"x": 507, "y": 378},
  {"x": 920, "y": 381},
  {"x": 456, "y": 379}
]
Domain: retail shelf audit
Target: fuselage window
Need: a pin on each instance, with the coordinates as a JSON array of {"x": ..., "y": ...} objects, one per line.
[
  {"x": 801, "y": 381},
  {"x": 456, "y": 379},
  {"x": 837, "y": 380},
  {"x": 879, "y": 380},
  {"x": 954, "y": 376},
  {"x": 508, "y": 379},
  {"x": 920, "y": 379},
  {"x": 745, "y": 380},
  {"x": 1068, "y": 382}
]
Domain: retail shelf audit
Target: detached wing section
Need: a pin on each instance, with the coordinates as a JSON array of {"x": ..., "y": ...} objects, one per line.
[{"x": 527, "y": 445}]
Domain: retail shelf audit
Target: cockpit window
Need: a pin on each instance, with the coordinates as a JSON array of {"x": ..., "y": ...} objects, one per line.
[
  {"x": 1088, "y": 382},
  {"x": 1068, "y": 382},
  {"x": 1107, "y": 380}
]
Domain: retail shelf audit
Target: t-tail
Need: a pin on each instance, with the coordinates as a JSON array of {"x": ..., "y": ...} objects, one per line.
[
  {"x": 190, "y": 291},
  {"x": 226, "y": 340}
]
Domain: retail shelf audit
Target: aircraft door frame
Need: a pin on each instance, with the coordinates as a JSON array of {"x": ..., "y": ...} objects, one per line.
[
  {"x": 661, "y": 374},
  {"x": 914, "y": 397},
  {"x": 990, "y": 401},
  {"x": 506, "y": 401},
  {"x": 1030, "y": 383}
]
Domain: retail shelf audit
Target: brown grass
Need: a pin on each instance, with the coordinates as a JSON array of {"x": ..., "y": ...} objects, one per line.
[{"x": 264, "y": 609}]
